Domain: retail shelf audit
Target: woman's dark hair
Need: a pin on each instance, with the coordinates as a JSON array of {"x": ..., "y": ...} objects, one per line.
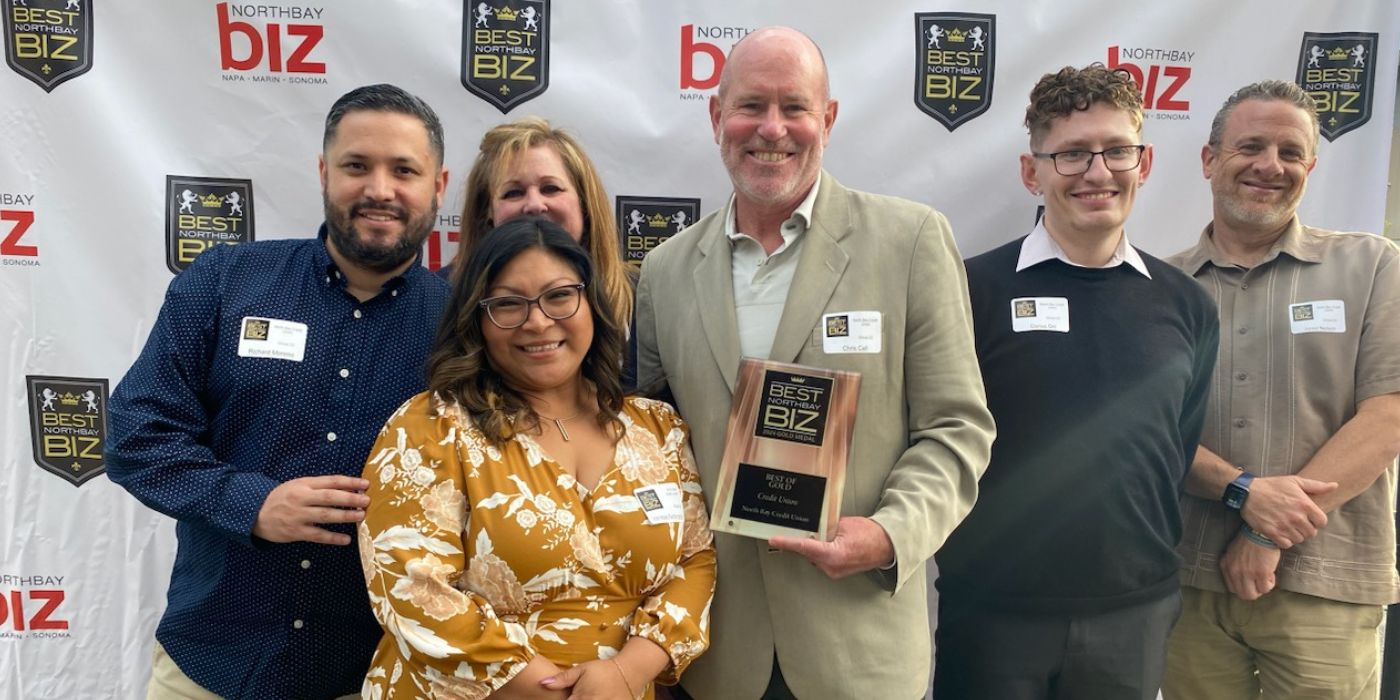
[{"x": 460, "y": 369}]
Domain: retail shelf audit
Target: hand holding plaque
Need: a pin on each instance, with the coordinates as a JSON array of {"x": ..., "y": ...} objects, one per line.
[{"x": 784, "y": 464}]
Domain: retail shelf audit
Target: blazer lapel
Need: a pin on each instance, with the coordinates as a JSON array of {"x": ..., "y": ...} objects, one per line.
[
  {"x": 714, "y": 291},
  {"x": 818, "y": 272}
]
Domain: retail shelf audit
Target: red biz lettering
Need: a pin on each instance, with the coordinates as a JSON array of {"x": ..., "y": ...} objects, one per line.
[
  {"x": 296, "y": 63},
  {"x": 1148, "y": 82},
  {"x": 10, "y": 245},
  {"x": 13, "y": 610}
]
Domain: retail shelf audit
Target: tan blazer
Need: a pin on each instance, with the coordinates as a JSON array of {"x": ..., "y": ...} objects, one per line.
[{"x": 922, "y": 438}]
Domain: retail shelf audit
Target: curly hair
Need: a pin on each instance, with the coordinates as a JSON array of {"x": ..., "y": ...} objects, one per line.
[
  {"x": 499, "y": 148},
  {"x": 1071, "y": 89},
  {"x": 460, "y": 368}
]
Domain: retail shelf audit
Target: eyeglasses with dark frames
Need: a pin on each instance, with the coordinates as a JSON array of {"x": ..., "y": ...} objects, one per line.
[
  {"x": 512, "y": 311},
  {"x": 1077, "y": 162}
]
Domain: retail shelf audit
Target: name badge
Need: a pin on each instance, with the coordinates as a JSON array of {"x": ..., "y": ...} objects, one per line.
[
  {"x": 1040, "y": 314},
  {"x": 661, "y": 503},
  {"x": 848, "y": 332},
  {"x": 273, "y": 338},
  {"x": 1326, "y": 316}
]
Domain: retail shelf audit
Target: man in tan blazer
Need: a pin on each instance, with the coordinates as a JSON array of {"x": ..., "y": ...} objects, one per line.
[{"x": 796, "y": 617}]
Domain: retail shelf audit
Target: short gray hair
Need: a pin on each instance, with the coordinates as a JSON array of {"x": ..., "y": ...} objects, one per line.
[{"x": 1266, "y": 90}]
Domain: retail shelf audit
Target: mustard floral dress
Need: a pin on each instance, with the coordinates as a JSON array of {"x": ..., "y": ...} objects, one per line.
[{"x": 478, "y": 558}]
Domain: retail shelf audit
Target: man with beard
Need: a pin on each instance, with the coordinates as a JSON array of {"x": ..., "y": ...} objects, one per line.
[
  {"x": 249, "y": 414},
  {"x": 1289, "y": 546},
  {"x": 792, "y": 250}
]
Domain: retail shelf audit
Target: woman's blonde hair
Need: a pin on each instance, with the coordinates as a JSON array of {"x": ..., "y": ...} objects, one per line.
[{"x": 499, "y": 148}]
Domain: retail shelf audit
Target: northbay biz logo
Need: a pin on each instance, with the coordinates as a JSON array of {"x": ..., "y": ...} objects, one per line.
[
  {"x": 956, "y": 64},
  {"x": 49, "y": 42},
  {"x": 270, "y": 43},
  {"x": 1336, "y": 69},
  {"x": 204, "y": 211},
  {"x": 68, "y": 424},
  {"x": 16, "y": 218},
  {"x": 31, "y": 607},
  {"x": 505, "y": 50},
  {"x": 644, "y": 222}
]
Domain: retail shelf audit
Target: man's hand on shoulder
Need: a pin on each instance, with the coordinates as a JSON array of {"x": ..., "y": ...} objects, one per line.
[
  {"x": 861, "y": 544},
  {"x": 1283, "y": 508},
  {"x": 295, "y": 509}
]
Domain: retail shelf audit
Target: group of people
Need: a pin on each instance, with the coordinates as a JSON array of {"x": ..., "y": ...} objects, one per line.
[{"x": 1130, "y": 479}]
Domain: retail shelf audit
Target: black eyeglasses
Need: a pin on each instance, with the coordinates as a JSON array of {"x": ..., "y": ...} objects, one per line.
[
  {"x": 1117, "y": 159},
  {"x": 512, "y": 311}
]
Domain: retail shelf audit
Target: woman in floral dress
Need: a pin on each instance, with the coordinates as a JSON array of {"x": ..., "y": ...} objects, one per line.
[{"x": 531, "y": 532}]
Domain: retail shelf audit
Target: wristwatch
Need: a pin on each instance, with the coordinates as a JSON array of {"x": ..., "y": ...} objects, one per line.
[{"x": 1237, "y": 491}]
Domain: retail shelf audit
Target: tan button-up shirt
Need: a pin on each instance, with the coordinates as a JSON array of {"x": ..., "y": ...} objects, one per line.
[{"x": 1305, "y": 335}]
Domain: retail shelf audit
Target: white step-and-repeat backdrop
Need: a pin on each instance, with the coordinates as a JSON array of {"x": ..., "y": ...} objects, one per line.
[{"x": 134, "y": 134}]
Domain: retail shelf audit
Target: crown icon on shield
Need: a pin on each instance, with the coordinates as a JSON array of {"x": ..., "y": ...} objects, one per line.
[
  {"x": 506, "y": 14},
  {"x": 657, "y": 221},
  {"x": 956, "y": 36},
  {"x": 211, "y": 201},
  {"x": 1337, "y": 54},
  {"x": 68, "y": 398}
]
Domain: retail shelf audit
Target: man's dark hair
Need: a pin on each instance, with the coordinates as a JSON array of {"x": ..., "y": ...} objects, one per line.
[{"x": 385, "y": 98}]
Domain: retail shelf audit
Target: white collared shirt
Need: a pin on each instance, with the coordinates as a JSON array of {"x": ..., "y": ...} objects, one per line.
[
  {"x": 761, "y": 280},
  {"x": 1039, "y": 246}
]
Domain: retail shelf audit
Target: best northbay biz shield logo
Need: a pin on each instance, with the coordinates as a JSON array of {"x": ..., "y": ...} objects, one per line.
[
  {"x": 956, "y": 57},
  {"x": 1338, "y": 71},
  {"x": 505, "y": 50},
  {"x": 48, "y": 41},
  {"x": 68, "y": 424}
]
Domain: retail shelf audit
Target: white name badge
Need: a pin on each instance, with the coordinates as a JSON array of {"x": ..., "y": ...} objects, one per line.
[
  {"x": 272, "y": 337},
  {"x": 661, "y": 503},
  {"x": 847, "y": 332},
  {"x": 1326, "y": 316},
  {"x": 1040, "y": 314}
]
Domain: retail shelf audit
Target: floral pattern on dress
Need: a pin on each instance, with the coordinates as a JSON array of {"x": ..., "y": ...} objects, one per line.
[{"x": 479, "y": 557}]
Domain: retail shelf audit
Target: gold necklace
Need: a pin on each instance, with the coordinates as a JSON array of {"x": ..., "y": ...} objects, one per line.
[{"x": 559, "y": 422}]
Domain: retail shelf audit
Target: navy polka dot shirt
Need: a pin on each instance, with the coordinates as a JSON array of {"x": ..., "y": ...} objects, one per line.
[{"x": 202, "y": 434}]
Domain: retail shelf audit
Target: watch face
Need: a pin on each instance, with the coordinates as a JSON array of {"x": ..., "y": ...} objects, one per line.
[{"x": 1234, "y": 496}]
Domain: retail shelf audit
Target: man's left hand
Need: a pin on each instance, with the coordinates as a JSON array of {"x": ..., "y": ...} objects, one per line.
[
  {"x": 1248, "y": 568},
  {"x": 860, "y": 545}
]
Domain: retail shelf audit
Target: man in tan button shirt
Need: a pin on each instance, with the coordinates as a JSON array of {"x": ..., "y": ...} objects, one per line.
[{"x": 1289, "y": 535}]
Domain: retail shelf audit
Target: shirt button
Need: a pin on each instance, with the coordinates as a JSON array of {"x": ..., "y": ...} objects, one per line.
[
  {"x": 1244, "y": 286},
  {"x": 357, "y": 314},
  {"x": 306, "y": 563},
  {"x": 298, "y": 624},
  {"x": 1239, "y": 422},
  {"x": 1241, "y": 376},
  {"x": 344, "y": 373},
  {"x": 330, "y": 437},
  {"x": 394, "y": 293},
  {"x": 1242, "y": 330}
]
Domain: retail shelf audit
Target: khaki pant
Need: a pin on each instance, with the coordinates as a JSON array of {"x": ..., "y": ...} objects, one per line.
[
  {"x": 168, "y": 682},
  {"x": 1284, "y": 645}
]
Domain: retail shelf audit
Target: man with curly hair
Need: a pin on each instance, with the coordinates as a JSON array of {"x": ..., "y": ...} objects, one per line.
[{"x": 1097, "y": 358}]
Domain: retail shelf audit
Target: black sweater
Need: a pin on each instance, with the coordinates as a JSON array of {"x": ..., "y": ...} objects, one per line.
[{"x": 1096, "y": 428}]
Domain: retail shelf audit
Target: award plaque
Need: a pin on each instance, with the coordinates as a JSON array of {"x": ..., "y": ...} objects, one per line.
[{"x": 784, "y": 465}]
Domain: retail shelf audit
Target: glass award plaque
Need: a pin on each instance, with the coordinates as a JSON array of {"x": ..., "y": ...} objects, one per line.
[{"x": 785, "y": 451}]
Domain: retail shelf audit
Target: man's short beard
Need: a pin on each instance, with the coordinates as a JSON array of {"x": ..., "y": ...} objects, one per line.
[{"x": 371, "y": 257}]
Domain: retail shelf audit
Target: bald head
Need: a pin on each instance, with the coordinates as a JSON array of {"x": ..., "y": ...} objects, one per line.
[{"x": 761, "y": 44}]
